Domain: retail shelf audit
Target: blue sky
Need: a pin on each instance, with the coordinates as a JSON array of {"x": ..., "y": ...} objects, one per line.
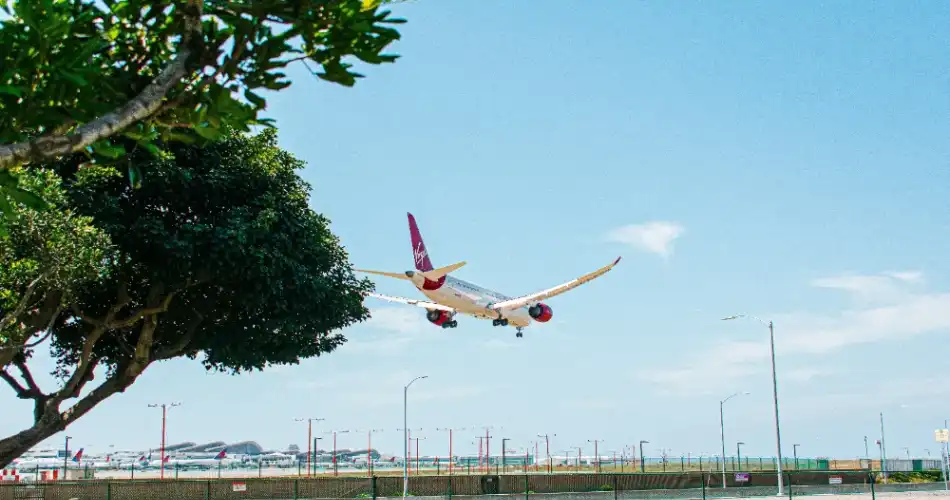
[{"x": 784, "y": 161}]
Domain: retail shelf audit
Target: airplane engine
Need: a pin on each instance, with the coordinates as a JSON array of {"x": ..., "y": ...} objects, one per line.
[
  {"x": 438, "y": 317},
  {"x": 540, "y": 312}
]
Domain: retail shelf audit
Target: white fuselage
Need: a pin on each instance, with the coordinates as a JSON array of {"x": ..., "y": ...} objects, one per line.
[{"x": 472, "y": 299}]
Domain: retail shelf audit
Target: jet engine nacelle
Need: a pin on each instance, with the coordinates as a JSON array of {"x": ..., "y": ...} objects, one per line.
[
  {"x": 437, "y": 317},
  {"x": 540, "y": 313}
]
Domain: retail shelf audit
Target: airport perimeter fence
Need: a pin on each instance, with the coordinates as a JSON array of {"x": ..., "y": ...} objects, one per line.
[{"x": 616, "y": 486}]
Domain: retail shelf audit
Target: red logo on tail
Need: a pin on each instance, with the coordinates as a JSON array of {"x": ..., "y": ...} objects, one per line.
[{"x": 419, "y": 252}]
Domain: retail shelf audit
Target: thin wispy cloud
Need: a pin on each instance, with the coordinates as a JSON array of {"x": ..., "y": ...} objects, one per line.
[
  {"x": 656, "y": 237},
  {"x": 908, "y": 315},
  {"x": 882, "y": 287}
]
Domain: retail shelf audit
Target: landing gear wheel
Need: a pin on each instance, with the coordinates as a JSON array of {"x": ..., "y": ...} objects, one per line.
[
  {"x": 518, "y": 333},
  {"x": 499, "y": 322}
]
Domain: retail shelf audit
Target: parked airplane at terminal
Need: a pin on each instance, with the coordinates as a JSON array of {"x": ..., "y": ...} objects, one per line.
[
  {"x": 451, "y": 296},
  {"x": 44, "y": 461},
  {"x": 184, "y": 463}
]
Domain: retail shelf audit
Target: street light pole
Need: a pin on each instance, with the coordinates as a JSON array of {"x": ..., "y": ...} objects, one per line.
[
  {"x": 642, "y": 460},
  {"x": 883, "y": 451},
  {"x": 795, "y": 455},
  {"x": 778, "y": 432},
  {"x": 503, "y": 465},
  {"x": 405, "y": 437},
  {"x": 722, "y": 433},
  {"x": 66, "y": 458},
  {"x": 547, "y": 450},
  {"x": 161, "y": 461},
  {"x": 739, "y": 455}
]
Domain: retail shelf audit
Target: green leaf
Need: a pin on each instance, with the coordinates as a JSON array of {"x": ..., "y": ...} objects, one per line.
[
  {"x": 108, "y": 150},
  {"x": 75, "y": 78},
  {"x": 255, "y": 99},
  {"x": 11, "y": 90},
  {"x": 5, "y": 206},
  {"x": 27, "y": 198},
  {"x": 135, "y": 176},
  {"x": 209, "y": 133}
]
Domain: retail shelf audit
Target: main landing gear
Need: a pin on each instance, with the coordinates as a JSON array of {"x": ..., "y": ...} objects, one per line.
[
  {"x": 450, "y": 324},
  {"x": 504, "y": 322}
]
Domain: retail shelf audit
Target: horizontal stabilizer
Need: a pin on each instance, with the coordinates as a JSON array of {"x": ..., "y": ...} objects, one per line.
[
  {"x": 400, "y": 276},
  {"x": 435, "y": 274},
  {"x": 413, "y": 302}
]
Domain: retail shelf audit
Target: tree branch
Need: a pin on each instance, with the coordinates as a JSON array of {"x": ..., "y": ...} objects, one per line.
[
  {"x": 31, "y": 385},
  {"x": 21, "y": 391},
  {"x": 176, "y": 348},
  {"x": 143, "y": 312},
  {"x": 9, "y": 319},
  {"x": 141, "y": 107}
]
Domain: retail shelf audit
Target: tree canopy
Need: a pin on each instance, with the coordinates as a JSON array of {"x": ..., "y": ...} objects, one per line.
[
  {"x": 218, "y": 256},
  {"x": 74, "y": 73}
]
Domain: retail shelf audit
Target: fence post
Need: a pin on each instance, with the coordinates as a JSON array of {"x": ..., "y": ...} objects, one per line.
[
  {"x": 297, "y": 488},
  {"x": 526, "y": 490},
  {"x": 108, "y": 490},
  {"x": 208, "y": 490},
  {"x": 788, "y": 482},
  {"x": 873, "y": 494},
  {"x": 702, "y": 475},
  {"x": 372, "y": 485},
  {"x": 450, "y": 486},
  {"x": 616, "y": 494}
]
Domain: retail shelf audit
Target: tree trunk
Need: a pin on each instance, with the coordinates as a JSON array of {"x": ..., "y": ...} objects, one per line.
[
  {"x": 49, "y": 420},
  {"x": 15, "y": 445}
]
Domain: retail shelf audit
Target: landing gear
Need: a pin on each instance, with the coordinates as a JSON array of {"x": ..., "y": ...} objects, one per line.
[
  {"x": 518, "y": 333},
  {"x": 499, "y": 322},
  {"x": 450, "y": 324}
]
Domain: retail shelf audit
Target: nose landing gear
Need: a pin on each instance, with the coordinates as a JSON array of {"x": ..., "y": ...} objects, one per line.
[
  {"x": 518, "y": 333},
  {"x": 450, "y": 324}
]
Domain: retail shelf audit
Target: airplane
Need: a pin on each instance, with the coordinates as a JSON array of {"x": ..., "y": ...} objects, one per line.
[
  {"x": 220, "y": 458},
  {"x": 44, "y": 462},
  {"x": 451, "y": 296}
]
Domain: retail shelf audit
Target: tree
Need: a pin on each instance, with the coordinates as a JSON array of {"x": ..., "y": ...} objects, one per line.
[
  {"x": 74, "y": 73},
  {"x": 217, "y": 256}
]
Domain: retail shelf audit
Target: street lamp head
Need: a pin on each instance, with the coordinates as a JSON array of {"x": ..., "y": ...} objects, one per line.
[{"x": 644, "y": 442}]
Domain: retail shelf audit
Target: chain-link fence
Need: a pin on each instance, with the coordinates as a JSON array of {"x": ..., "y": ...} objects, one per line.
[{"x": 605, "y": 486}]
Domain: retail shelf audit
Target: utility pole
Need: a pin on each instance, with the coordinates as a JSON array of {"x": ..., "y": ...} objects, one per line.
[
  {"x": 547, "y": 450},
  {"x": 161, "y": 461},
  {"x": 795, "y": 455},
  {"x": 596, "y": 454},
  {"x": 309, "y": 421},
  {"x": 722, "y": 432},
  {"x": 739, "y": 455},
  {"x": 867, "y": 454}
]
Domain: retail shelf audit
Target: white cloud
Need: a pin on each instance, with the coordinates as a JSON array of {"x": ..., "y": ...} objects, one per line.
[
  {"x": 654, "y": 237},
  {"x": 397, "y": 319},
  {"x": 889, "y": 286},
  {"x": 908, "y": 315}
]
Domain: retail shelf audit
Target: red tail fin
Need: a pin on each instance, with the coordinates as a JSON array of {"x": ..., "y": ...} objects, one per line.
[
  {"x": 419, "y": 252},
  {"x": 221, "y": 455}
]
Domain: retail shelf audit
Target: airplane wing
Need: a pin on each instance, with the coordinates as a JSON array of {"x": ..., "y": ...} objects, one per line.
[
  {"x": 551, "y": 292},
  {"x": 412, "y": 302}
]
